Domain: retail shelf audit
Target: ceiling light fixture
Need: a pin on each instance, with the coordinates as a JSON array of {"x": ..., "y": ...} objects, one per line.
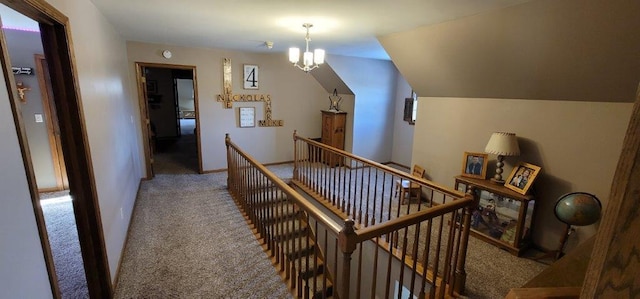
[{"x": 310, "y": 60}]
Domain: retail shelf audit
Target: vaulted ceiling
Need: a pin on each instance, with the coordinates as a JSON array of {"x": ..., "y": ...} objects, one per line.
[{"x": 347, "y": 28}]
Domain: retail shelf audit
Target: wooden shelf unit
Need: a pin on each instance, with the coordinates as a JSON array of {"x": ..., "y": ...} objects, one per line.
[
  {"x": 333, "y": 131},
  {"x": 504, "y": 218}
]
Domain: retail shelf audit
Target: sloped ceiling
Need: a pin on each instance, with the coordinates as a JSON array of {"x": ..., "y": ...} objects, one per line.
[
  {"x": 327, "y": 77},
  {"x": 546, "y": 49}
]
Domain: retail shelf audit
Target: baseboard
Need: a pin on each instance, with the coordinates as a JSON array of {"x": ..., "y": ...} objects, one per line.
[
  {"x": 265, "y": 164},
  {"x": 278, "y": 163},
  {"x": 114, "y": 283},
  {"x": 357, "y": 167},
  {"x": 51, "y": 189},
  {"x": 396, "y": 164},
  {"x": 213, "y": 171}
]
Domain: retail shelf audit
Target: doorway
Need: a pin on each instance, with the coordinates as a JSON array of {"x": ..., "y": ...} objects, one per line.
[
  {"x": 53, "y": 129},
  {"x": 45, "y": 151},
  {"x": 169, "y": 101},
  {"x": 55, "y": 45}
]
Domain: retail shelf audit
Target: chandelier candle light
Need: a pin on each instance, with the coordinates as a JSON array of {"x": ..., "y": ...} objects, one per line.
[
  {"x": 502, "y": 144},
  {"x": 310, "y": 60}
]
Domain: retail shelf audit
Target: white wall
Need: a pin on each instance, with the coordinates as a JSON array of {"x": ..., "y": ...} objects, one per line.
[
  {"x": 23, "y": 273},
  {"x": 185, "y": 94},
  {"x": 22, "y": 46},
  {"x": 373, "y": 83},
  {"x": 577, "y": 144},
  {"x": 402, "y": 130},
  {"x": 296, "y": 98},
  {"x": 110, "y": 111}
]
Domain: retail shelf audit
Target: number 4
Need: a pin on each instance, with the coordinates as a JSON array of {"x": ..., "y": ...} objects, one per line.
[{"x": 251, "y": 76}]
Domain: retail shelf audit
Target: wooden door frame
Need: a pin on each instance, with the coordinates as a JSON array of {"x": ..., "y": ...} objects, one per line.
[
  {"x": 144, "y": 110},
  {"x": 53, "y": 130},
  {"x": 58, "y": 49}
]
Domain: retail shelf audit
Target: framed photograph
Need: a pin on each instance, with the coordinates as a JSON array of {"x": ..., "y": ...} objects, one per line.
[
  {"x": 522, "y": 177},
  {"x": 250, "y": 77},
  {"x": 152, "y": 86},
  {"x": 474, "y": 165},
  {"x": 247, "y": 117}
]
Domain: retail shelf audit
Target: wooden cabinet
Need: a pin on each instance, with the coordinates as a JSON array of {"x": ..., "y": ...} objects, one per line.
[
  {"x": 504, "y": 218},
  {"x": 333, "y": 130}
]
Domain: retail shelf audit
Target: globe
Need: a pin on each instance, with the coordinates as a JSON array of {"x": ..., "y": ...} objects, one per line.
[{"x": 578, "y": 208}]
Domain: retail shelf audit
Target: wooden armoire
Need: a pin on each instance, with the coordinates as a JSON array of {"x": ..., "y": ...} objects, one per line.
[{"x": 333, "y": 130}]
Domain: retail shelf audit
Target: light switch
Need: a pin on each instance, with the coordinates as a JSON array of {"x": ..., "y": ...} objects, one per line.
[{"x": 38, "y": 117}]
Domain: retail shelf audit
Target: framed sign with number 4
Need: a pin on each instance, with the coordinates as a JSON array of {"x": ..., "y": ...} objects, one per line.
[{"x": 250, "y": 76}]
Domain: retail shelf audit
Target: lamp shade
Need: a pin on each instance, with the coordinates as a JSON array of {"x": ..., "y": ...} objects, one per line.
[
  {"x": 294, "y": 55},
  {"x": 504, "y": 144},
  {"x": 307, "y": 58},
  {"x": 318, "y": 56}
]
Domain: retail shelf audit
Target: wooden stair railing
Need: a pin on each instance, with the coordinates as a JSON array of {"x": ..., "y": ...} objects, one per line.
[
  {"x": 422, "y": 252},
  {"x": 280, "y": 219},
  {"x": 366, "y": 191},
  {"x": 312, "y": 279}
]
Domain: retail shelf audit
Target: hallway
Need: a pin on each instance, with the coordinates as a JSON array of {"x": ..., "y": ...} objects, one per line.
[
  {"x": 176, "y": 156},
  {"x": 188, "y": 240}
]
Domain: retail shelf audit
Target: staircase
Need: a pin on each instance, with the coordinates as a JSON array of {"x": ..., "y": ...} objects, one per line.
[
  {"x": 286, "y": 233},
  {"x": 305, "y": 242}
]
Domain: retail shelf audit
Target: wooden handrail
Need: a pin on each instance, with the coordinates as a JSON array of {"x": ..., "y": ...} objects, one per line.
[
  {"x": 410, "y": 219},
  {"x": 447, "y": 268},
  {"x": 422, "y": 181},
  {"x": 293, "y": 195}
]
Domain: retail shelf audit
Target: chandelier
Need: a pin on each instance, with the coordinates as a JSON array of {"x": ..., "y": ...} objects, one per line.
[{"x": 310, "y": 60}]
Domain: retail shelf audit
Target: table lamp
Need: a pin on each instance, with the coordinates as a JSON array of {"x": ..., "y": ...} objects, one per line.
[{"x": 502, "y": 144}]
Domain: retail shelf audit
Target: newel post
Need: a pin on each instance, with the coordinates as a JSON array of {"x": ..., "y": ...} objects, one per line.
[
  {"x": 460, "y": 278},
  {"x": 230, "y": 171},
  {"x": 347, "y": 243},
  {"x": 295, "y": 155}
]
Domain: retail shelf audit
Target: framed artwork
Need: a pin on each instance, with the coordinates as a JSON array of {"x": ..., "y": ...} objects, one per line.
[
  {"x": 247, "y": 117},
  {"x": 152, "y": 86},
  {"x": 522, "y": 177},
  {"x": 250, "y": 77},
  {"x": 474, "y": 165}
]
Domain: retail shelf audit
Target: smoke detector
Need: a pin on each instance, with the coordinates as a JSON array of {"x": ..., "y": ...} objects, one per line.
[{"x": 269, "y": 44}]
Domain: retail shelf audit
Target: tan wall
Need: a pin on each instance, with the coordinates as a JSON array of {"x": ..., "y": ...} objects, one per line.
[
  {"x": 109, "y": 113},
  {"x": 402, "y": 130},
  {"x": 296, "y": 97},
  {"x": 584, "y": 50},
  {"x": 22, "y": 267},
  {"x": 373, "y": 83},
  {"x": 577, "y": 144},
  {"x": 101, "y": 67}
]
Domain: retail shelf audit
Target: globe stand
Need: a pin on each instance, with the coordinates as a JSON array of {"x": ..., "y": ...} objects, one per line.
[
  {"x": 558, "y": 253},
  {"x": 573, "y": 209}
]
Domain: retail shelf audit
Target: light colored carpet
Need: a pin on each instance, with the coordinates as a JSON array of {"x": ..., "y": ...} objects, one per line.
[
  {"x": 65, "y": 247},
  {"x": 491, "y": 272},
  {"x": 188, "y": 240},
  {"x": 176, "y": 156}
]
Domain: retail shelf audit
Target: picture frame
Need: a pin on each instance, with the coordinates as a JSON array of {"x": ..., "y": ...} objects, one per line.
[
  {"x": 247, "y": 117},
  {"x": 522, "y": 177},
  {"x": 474, "y": 165},
  {"x": 251, "y": 76},
  {"x": 152, "y": 86}
]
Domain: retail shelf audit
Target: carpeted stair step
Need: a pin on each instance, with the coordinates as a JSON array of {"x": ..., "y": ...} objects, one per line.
[
  {"x": 279, "y": 213},
  {"x": 269, "y": 202},
  {"x": 315, "y": 287},
  {"x": 261, "y": 187},
  {"x": 287, "y": 230},
  {"x": 316, "y": 266},
  {"x": 298, "y": 247}
]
